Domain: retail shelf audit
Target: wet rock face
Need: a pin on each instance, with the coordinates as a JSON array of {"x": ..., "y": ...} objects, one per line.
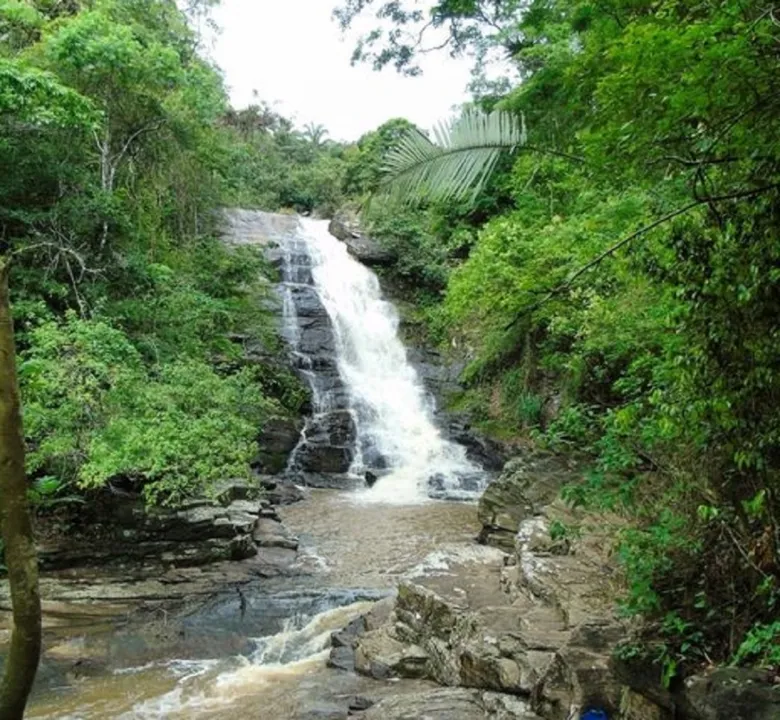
[
  {"x": 323, "y": 450},
  {"x": 482, "y": 450},
  {"x": 276, "y": 441},
  {"x": 346, "y": 227},
  {"x": 328, "y": 444}
]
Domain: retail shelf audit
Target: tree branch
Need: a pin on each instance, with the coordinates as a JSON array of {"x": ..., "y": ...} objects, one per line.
[{"x": 633, "y": 236}]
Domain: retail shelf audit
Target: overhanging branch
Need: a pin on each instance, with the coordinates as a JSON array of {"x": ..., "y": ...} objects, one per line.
[{"x": 558, "y": 289}]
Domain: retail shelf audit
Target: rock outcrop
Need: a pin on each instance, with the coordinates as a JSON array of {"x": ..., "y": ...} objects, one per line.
[
  {"x": 346, "y": 227},
  {"x": 450, "y": 704},
  {"x": 731, "y": 694},
  {"x": 198, "y": 532},
  {"x": 527, "y": 485},
  {"x": 535, "y": 624},
  {"x": 328, "y": 443},
  {"x": 277, "y": 439},
  {"x": 529, "y": 619}
]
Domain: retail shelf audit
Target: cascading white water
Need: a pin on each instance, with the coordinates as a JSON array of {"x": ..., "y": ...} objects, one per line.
[{"x": 393, "y": 413}]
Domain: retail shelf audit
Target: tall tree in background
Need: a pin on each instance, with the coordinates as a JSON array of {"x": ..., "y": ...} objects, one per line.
[{"x": 315, "y": 133}]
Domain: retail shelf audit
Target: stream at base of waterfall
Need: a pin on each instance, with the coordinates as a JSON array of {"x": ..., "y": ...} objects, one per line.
[
  {"x": 351, "y": 555},
  {"x": 356, "y": 545}
]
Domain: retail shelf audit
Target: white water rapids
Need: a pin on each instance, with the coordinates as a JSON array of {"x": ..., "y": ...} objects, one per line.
[{"x": 392, "y": 411}]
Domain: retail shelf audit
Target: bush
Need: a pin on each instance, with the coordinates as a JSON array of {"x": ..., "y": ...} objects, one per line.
[{"x": 94, "y": 413}]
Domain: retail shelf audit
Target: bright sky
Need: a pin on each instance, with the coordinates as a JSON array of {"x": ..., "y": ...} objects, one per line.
[{"x": 293, "y": 53}]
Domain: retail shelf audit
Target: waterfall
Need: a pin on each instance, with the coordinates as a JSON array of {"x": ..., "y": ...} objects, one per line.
[{"x": 396, "y": 437}]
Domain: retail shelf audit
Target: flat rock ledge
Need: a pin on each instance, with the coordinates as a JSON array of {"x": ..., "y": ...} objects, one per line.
[
  {"x": 525, "y": 629},
  {"x": 129, "y": 559}
]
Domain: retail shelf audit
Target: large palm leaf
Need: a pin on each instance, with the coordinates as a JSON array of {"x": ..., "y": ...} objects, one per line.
[{"x": 458, "y": 162}]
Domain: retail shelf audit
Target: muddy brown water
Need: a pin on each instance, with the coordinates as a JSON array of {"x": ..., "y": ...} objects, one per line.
[{"x": 351, "y": 554}]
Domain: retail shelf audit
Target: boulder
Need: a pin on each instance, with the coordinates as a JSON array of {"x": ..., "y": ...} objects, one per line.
[
  {"x": 268, "y": 532},
  {"x": 276, "y": 440},
  {"x": 524, "y": 488},
  {"x": 731, "y": 694},
  {"x": 379, "y": 655},
  {"x": 346, "y": 227},
  {"x": 280, "y": 491}
]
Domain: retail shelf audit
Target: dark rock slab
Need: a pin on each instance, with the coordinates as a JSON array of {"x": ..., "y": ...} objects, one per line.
[
  {"x": 346, "y": 227},
  {"x": 731, "y": 694},
  {"x": 329, "y": 481},
  {"x": 319, "y": 459},
  {"x": 342, "y": 658},
  {"x": 276, "y": 440}
]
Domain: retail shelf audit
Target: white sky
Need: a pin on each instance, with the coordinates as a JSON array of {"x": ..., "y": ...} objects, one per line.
[{"x": 293, "y": 53}]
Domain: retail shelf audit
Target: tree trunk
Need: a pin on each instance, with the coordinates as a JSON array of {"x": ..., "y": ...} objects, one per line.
[{"x": 21, "y": 662}]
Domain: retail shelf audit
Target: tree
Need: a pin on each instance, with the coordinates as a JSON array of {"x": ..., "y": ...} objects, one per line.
[
  {"x": 20, "y": 555},
  {"x": 481, "y": 28},
  {"x": 315, "y": 133},
  {"x": 129, "y": 68},
  {"x": 459, "y": 162}
]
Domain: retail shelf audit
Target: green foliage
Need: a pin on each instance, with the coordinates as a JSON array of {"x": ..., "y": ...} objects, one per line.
[
  {"x": 630, "y": 283},
  {"x": 47, "y": 493},
  {"x": 182, "y": 432},
  {"x": 761, "y": 646},
  {"x": 132, "y": 317},
  {"x": 95, "y": 413},
  {"x": 458, "y": 164},
  {"x": 269, "y": 165}
]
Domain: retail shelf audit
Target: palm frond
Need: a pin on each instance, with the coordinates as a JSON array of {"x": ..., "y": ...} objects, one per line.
[{"x": 458, "y": 162}]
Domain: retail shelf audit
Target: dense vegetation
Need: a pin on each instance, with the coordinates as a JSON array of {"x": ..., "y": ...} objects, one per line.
[
  {"x": 131, "y": 315},
  {"x": 617, "y": 287}
]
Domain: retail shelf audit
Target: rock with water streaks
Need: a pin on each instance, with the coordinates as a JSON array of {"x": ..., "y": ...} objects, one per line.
[{"x": 276, "y": 441}]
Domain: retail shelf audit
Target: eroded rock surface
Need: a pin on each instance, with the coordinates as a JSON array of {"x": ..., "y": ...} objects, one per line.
[
  {"x": 449, "y": 704},
  {"x": 534, "y": 623}
]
